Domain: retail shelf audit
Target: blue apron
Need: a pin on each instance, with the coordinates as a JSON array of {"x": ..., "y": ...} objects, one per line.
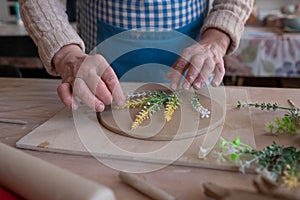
[{"x": 144, "y": 56}]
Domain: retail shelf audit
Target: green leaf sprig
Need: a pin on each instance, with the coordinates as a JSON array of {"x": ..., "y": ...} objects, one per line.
[
  {"x": 262, "y": 106},
  {"x": 153, "y": 104},
  {"x": 289, "y": 123},
  {"x": 279, "y": 163},
  {"x": 153, "y": 101}
]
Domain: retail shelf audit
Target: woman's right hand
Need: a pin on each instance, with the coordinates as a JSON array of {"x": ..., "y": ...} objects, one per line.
[{"x": 88, "y": 77}]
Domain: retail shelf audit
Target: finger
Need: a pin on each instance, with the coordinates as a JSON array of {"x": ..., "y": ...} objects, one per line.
[
  {"x": 219, "y": 74},
  {"x": 206, "y": 71},
  {"x": 95, "y": 64},
  {"x": 176, "y": 72},
  {"x": 111, "y": 80},
  {"x": 81, "y": 90},
  {"x": 64, "y": 91},
  {"x": 99, "y": 89},
  {"x": 194, "y": 71}
]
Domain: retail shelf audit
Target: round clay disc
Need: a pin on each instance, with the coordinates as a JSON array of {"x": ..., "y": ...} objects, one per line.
[{"x": 185, "y": 122}]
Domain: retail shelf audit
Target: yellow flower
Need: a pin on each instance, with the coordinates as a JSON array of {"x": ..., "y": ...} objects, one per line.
[
  {"x": 169, "y": 111},
  {"x": 171, "y": 106},
  {"x": 289, "y": 180},
  {"x": 143, "y": 115}
]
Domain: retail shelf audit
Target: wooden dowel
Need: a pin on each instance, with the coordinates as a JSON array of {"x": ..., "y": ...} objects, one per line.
[
  {"x": 12, "y": 121},
  {"x": 291, "y": 102},
  {"x": 145, "y": 187}
]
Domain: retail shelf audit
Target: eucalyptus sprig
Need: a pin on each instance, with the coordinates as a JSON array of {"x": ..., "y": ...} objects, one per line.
[
  {"x": 279, "y": 163},
  {"x": 289, "y": 123}
]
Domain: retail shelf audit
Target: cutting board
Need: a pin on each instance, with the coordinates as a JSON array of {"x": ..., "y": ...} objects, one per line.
[{"x": 80, "y": 133}]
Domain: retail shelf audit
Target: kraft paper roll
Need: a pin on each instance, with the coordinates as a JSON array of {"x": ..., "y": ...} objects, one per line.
[{"x": 35, "y": 179}]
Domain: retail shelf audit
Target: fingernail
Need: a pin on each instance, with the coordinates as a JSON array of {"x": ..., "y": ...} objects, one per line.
[
  {"x": 74, "y": 106},
  {"x": 197, "y": 85},
  {"x": 100, "y": 107},
  {"x": 120, "y": 102},
  {"x": 173, "y": 86},
  {"x": 214, "y": 83},
  {"x": 186, "y": 86}
]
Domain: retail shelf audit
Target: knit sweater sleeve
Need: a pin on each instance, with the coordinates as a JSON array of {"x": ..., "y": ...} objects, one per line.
[
  {"x": 47, "y": 24},
  {"x": 230, "y": 17}
]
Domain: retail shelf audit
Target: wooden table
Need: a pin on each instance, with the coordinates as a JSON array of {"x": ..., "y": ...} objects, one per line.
[{"x": 35, "y": 101}]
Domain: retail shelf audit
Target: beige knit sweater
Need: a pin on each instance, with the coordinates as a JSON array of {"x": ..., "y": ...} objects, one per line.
[{"x": 48, "y": 26}]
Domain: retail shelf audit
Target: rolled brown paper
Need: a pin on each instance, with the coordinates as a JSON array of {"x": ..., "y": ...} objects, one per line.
[
  {"x": 34, "y": 179},
  {"x": 145, "y": 187}
]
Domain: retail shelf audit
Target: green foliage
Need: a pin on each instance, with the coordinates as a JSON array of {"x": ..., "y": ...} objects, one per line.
[
  {"x": 289, "y": 123},
  {"x": 153, "y": 101},
  {"x": 280, "y": 163},
  {"x": 262, "y": 106},
  {"x": 286, "y": 124}
]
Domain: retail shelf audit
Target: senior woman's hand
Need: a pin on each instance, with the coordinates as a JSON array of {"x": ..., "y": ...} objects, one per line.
[
  {"x": 201, "y": 60},
  {"x": 88, "y": 77}
]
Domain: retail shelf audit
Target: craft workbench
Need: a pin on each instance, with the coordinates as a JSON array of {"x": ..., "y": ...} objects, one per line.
[{"x": 35, "y": 101}]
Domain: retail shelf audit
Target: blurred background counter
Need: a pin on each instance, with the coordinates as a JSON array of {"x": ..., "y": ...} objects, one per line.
[{"x": 265, "y": 52}]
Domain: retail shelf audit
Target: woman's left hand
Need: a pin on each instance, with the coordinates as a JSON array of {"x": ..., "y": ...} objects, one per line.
[{"x": 200, "y": 61}]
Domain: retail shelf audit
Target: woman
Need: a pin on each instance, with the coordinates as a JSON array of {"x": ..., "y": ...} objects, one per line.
[{"x": 62, "y": 50}]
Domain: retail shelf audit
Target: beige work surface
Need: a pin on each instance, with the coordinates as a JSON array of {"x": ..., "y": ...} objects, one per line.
[
  {"x": 36, "y": 101},
  {"x": 80, "y": 133}
]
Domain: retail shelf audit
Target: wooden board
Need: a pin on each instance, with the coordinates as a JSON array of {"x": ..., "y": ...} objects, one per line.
[{"x": 79, "y": 133}]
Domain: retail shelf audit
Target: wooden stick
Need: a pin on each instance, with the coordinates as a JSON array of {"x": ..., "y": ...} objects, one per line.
[
  {"x": 144, "y": 187},
  {"x": 291, "y": 102},
  {"x": 12, "y": 121}
]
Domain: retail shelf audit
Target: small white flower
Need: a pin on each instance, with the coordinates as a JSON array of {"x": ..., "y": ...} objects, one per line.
[{"x": 203, "y": 152}]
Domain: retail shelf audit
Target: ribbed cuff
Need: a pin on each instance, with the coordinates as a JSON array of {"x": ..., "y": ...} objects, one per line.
[
  {"x": 52, "y": 42},
  {"x": 227, "y": 22}
]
